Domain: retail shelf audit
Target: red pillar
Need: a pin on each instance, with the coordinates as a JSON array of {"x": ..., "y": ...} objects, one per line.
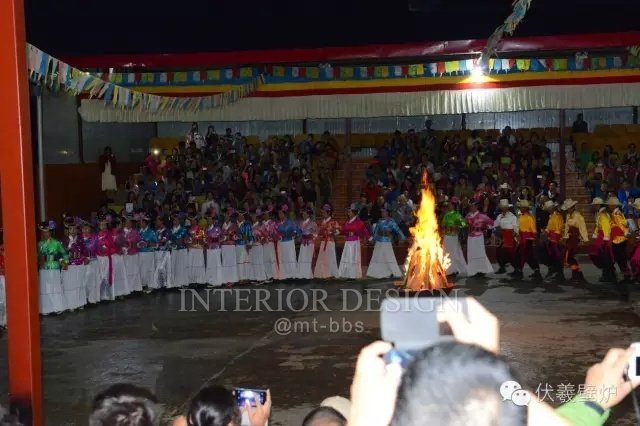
[{"x": 16, "y": 178}]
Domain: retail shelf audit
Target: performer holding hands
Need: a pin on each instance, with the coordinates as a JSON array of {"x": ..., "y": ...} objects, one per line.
[{"x": 575, "y": 233}]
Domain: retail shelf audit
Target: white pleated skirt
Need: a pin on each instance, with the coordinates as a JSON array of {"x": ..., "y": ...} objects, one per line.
[
  {"x": 92, "y": 281},
  {"x": 478, "y": 262},
  {"x": 256, "y": 259},
  {"x": 51, "y": 293},
  {"x": 287, "y": 263},
  {"x": 229, "y": 264},
  {"x": 305, "y": 261},
  {"x": 162, "y": 276},
  {"x": 244, "y": 267},
  {"x": 107, "y": 291},
  {"x": 350, "y": 261},
  {"x": 270, "y": 261},
  {"x": 74, "y": 287},
  {"x": 326, "y": 263},
  {"x": 132, "y": 266},
  {"x": 456, "y": 257},
  {"x": 213, "y": 274},
  {"x": 179, "y": 268},
  {"x": 383, "y": 262},
  {"x": 120, "y": 279},
  {"x": 197, "y": 268},
  {"x": 147, "y": 261},
  {"x": 3, "y": 303}
]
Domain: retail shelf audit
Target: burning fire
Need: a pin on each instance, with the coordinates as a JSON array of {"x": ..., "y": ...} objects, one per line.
[{"x": 427, "y": 263}]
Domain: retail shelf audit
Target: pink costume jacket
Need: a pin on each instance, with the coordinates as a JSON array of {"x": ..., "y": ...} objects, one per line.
[
  {"x": 229, "y": 234},
  {"x": 270, "y": 231},
  {"x": 119, "y": 241},
  {"x": 131, "y": 238},
  {"x": 478, "y": 223},
  {"x": 309, "y": 230},
  {"x": 78, "y": 253},
  {"x": 354, "y": 229},
  {"x": 104, "y": 243},
  {"x": 214, "y": 233},
  {"x": 90, "y": 242},
  {"x": 259, "y": 231}
]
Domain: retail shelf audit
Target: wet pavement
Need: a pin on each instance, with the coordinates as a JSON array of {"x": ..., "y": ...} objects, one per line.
[{"x": 171, "y": 345}]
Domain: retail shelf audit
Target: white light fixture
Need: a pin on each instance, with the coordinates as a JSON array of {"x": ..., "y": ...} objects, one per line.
[{"x": 477, "y": 72}]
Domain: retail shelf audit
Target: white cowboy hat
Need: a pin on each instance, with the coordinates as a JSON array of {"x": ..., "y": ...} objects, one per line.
[
  {"x": 504, "y": 203},
  {"x": 524, "y": 204},
  {"x": 568, "y": 203},
  {"x": 613, "y": 201},
  {"x": 548, "y": 205},
  {"x": 597, "y": 201}
]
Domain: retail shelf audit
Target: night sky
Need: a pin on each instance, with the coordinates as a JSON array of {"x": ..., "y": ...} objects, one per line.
[{"x": 75, "y": 27}]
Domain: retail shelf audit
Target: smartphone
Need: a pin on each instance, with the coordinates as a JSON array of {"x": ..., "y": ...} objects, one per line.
[
  {"x": 244, "y": 395},
  {"x": 633, "y": 369}
]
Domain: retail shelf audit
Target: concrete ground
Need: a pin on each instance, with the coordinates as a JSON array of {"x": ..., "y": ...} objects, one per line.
[{"x": 550, "y": 333}]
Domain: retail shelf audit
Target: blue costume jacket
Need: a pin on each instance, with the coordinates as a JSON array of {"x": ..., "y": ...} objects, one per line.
[
  {"x": 385, "y": 228},
  {"x": 288, "y": 230}
]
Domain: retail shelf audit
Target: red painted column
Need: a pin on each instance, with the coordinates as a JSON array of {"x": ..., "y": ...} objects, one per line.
[{"x": 16, "y": 178}]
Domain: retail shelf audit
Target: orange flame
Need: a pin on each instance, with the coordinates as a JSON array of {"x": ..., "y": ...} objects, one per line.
[{"x": 427, "y": 261}]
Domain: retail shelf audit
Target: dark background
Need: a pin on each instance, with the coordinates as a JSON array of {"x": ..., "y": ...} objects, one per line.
[{"x": 77, "y": 27}]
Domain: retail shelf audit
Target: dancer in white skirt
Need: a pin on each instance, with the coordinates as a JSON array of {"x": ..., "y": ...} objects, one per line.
[
  {"x": 73, "y": 278},
  {"x": 351, "y": 261},
  {"x": 131, "y": 256},
  {"x": 92, "y": 270},
  {"x": 213, "y": 275},
  {"x": 147, "y": 246},
  {"x": 270, "y": 230},
  {"x": 228, "y": 241},
  {"x": 287, "y": 230},
  {"x": 256, "y": 252},
  {"x": 162, "y": 276},
  {"x": 328, "y": 229},
  {"x": 309, "y": 231},
  {"x": 196, "y": 242},
  {"x": 383, "y": 260},
  {"x": 51, "y": 255},
  {"x": 104, "y": 251},
  {"x": 477, "y": 260},
  {"x": 244, "y": 242},
  {"x": 179, "y": 253},
  {"x": 452, "y": 223},
  {"x": 120, "y": 280}
]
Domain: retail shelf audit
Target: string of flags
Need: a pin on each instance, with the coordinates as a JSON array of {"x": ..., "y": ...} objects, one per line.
[{"x": 111, "y": 87}]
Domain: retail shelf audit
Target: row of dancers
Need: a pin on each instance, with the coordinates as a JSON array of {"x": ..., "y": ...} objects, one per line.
[{"x": 125, "y": 255}]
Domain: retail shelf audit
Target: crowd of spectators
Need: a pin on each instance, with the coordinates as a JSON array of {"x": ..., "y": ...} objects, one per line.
[
  {"x": 508, "y": 167},
  {"x": 228, "y": 172}
]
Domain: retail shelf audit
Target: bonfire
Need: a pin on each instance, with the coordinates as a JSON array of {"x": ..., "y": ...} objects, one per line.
[{"x": 427, "y": 263}]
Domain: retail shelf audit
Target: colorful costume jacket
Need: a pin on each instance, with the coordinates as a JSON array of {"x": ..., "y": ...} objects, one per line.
[
  {"x": 619, "y": 227},
  {"x": 555, "y": 227},
  {"x": 104, "y": 243},
  {"x": 259, "y": 234},
  {"x": 309, "y": 231},
  {"x": 90, "y": 243},
  {"x": 119, "y": 241},
  {"x": 478, "y": 223},
  {"x": 328, "y": 229},
  {"x": 354, "y": 229},
  {"x": 163, "y": 239},
  {"x": 229, "y": 233},
  {"x": 197, "y": 238},
  {"x": 452, "y": 222},
  {"x": 52, "y": 254},
  {"x": 132, "y": 240},
  {"x": 575, "y": 228},
  {"x": 245, "y": 233},
  {"x": 527, "y": 227},
  {"x": 270, "y": 230},
  {"x": 148, "y": 240},
  {"x": 213, "y": 236},
  {"x": 288, "y": 229},
  {"x": 384, "y": 230},
  {"x": 76, "y": 249},
  {"x": 177, "y": 236}
]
